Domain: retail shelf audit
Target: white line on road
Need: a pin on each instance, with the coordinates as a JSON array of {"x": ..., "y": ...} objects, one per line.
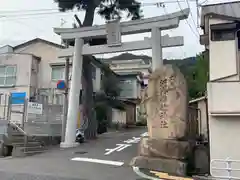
[
  {"x": 99, "y": 161},
  {"x": 119, "y": 148}
]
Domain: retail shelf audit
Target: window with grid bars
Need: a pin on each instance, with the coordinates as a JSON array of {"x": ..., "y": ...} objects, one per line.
[
  {"x": 8, "y": 75},
  {"x": 58, "y": 73}
]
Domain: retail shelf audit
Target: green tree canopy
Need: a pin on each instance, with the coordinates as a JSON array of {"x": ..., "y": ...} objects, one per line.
[
  {"x": 197, "y": 77},
  {"x": 108, "y": 9}
]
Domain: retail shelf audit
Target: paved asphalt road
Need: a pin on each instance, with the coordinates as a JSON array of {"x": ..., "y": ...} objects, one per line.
[{"x": 70, "y": 164}]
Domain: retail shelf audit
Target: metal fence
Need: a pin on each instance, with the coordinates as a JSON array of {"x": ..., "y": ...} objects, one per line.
[
  {"x": 46, "y": 124},
  {"x": 225, "y": 169},
  {"x": 49, "y": 123}
]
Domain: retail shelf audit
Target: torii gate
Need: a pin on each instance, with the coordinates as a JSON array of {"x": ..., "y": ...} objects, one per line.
[{"x": 113, "y": 31}]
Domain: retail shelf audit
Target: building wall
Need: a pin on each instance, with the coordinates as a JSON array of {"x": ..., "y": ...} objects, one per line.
[
  {"x": 223, "y": 103},
  {"x": 203, "y": 129},
  {"x": 26, "y": 73},
  {"x": 223, "y": 57},
  {"x": 49, "y": 59},
  {"x": 49, "y": 55},
  {"x": 130, "y": 88},
  {"x": 224, "y": 142},
  {"x": 118, "y": 116},
  {"x": 23, "y": 64}
]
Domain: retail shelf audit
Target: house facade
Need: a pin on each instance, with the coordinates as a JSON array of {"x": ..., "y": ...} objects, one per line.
[
  {"x": 221, "y": 25},
  {"x": 34, "y": 68}
]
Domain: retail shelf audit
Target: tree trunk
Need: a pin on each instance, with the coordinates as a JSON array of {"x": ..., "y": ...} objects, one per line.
[
  {"x": 88, "y": 102},
  {"x": 87, "y": 96}
]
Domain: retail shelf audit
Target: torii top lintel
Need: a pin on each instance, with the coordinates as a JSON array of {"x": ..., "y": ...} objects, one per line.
[{"x": 164, "y": 22}]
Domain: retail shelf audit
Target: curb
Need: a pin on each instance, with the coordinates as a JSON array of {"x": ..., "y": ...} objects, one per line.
[
  {"x": 155, "y": 175},
  {"x": 141, "y": 174}
]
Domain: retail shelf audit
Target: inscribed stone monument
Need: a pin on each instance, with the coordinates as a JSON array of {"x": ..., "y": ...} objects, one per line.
[
  {"x": 166, "y": 107},
  {"x": 166, "y": 103}
]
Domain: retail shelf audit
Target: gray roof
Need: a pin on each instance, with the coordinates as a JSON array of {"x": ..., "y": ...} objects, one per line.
[
  {"x": 231, "y": 9},
  {"x": 129, "y": 56}
]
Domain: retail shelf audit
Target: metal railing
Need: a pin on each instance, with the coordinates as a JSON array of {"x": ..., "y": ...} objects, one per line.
[{"x": 228, "y": 169}]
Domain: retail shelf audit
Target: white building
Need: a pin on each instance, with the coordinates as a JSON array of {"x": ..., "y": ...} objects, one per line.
[
  {"x": 221, "y": 25},
  {"x": 34, "y": 67},
  {"x": 127, "y": 62}
]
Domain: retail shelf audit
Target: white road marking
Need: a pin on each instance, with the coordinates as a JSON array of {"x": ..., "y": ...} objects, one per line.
[
  {"x": 133, "y": 140},
  {"x": 122, "y": 146},
  {"x": 144, "y": 134},
  {"x": 119, "y": 148},
  {"x": 99, "y": 161},
  {"x": 128, "y": 142}
]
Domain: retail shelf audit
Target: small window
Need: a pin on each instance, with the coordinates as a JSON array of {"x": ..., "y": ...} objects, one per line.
[
  {"x": 222, "y": 35},
  {"x": 59, "y": 98},
  {"x": 57, "y": 73},
  {"x": 8, "y": 75}
]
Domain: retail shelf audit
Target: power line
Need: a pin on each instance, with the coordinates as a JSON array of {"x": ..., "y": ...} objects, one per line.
[
  {"x": 192, "y": 16},
  {"x": 187, "y": 21},
  {"x": 204, "y": 2},
  {"x": 166, "y": 13},
  {"x": 14, "y": 13}
]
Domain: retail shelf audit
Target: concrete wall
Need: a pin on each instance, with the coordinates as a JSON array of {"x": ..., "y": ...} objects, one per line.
[
  {"x": 203, "y": 129},
  {"x": 223, "y": 103},
  {"x": 223, "y": 57}
]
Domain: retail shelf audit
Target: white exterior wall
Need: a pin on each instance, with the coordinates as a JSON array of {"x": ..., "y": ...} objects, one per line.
[
  {"x": 49, "y": 55},
  {"x": 25, "y": 64},
  {"x": 49, "y": 58},
  {"x": 223, "y": 103},
  {"x": 118, "y": 116},
  {"x": 203, "y": 111},
  {"x": 6, "y": 49},
  {"x": 223, "y": 57},
  {"x": 135, "y": 65}
]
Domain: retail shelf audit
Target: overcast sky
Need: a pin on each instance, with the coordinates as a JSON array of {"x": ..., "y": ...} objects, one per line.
[{"x": 15, "y": 27}]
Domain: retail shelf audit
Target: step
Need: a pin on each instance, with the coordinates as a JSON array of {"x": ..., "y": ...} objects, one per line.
[
  {"x": 25, "y": 151},
  {"x": 22, "y": 144}
]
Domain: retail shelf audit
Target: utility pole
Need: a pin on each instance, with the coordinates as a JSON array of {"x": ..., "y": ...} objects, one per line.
[{"x": 65, "y": 104}]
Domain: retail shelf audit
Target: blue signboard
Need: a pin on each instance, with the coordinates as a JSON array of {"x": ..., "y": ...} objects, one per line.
[
  {"x": 18, "y": 97},
  {"x": 61, "y": 84}
]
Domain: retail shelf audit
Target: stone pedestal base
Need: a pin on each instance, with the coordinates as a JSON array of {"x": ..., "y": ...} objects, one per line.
[
  {"x": 164, "y": 148},
  {"x": 171, "y": 166},
  {"x": 68, "y": 145}
]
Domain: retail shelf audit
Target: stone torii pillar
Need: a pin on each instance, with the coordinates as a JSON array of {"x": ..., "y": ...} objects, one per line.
[
  {"x": 157, "y": 60},
  {"x": 72, "y": 116}
]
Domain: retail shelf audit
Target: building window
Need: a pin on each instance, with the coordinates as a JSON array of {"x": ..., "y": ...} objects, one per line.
[
  {"x": 58, "y": 73},
  {"x": 222, "y": 35},
  {"x": 93, "y": 72},
  {"x": 8, "y": 75},
  {"x": 59, "y": 98}
]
